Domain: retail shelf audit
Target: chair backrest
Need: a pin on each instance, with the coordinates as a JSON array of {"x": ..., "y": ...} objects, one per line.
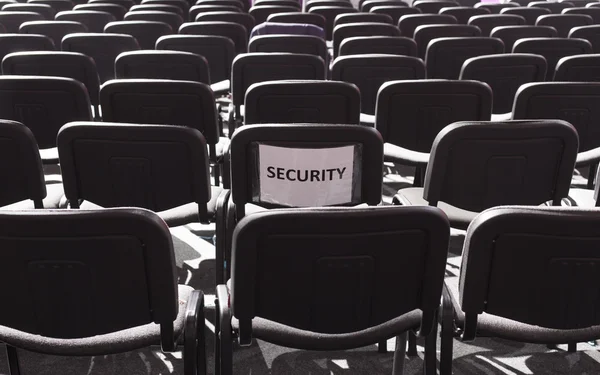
[
  {"x": 13, "y": 20},
  {"x": 395, "y": 11},
  {"x": 426, "y": 33},
  {"x": 410, "y": 114},
  {"x": 57, "y": 5},
  {"x": 553, "y": 49},
  {"x": 199, "y": 9},
  {"x": 43, "y": 104},
  {"x": 252, "y": 68},
  {"x": 530, "y": 14},
  {"x": 261, "y": 157},
  {"x": 428, "y": 6},
  {"x": 573, "y": 102},
  {"x": 234, "y": 31},
  {"x": 317, "y": 3},
  {"x": 94, "y": 20},
  {"x": 579, "y": 68},
  {"x": 463, "y": 14},
  {"x": 235, "y": 3},
  {"x": 362, "y": 17},
  {"x": 153, "y": 7},
  {"x": 330, "y": 274},
  {"x": 73, "y": 65},
  {"x": 42, "y": 256},
  {"x": 145, "y": 32},
  {"x": 295, "y": 17},
  {"x": 488, "y": 22},
  {"x": 390, "y": 45},
  {"x": 118, "y": 11},
  {"x": 563, "y": 23},
  {"x": 589, "y": 33},
  {"x": 55, "y": 30},
  {"x": 368, "y": 5},
  {"x": 330, "y": 13},
  {"x": 124, "y": 3},
  {"x": 407, "y": 24},
  {"x": 45, "y": 10},
  {"x": 505, "y": 73},
  {"x": 554, "y": 7},
  {"x": 10, "y": 43},
  {"x": 550, "y": 253},
  {"x": 174, "y": 65},
  {"x": 446, "y": 56},
  {"x": 172, "y": 19},
  {"x": 243, "y": 19},
  {"x": 261, "y": 12},
  {"x": 397, "y": 3},
  {"x": 183, "y": 4},
  {"x": 317, "y": 102},
  {"x": 592, "y": 12},
  {"x": 349, "y": 30},
  {"x": 277, "y": 28},
  {"x": 510, "y": 34},
  {"x": 103, "y": 48},
  {"x": 303, "y": 44},
  {"x": 369, "y": 72},
  {"x": 128, "y": 165},
  {"x": 478, "y": 165},
  {"x": 21, "y": 165},
  {"x": 495, "y": 8},
  {"x": 292, "y": 3}
]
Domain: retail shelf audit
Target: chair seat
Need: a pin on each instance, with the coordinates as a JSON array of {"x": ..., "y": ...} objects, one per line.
[
  {"x": 458, "y": 217},
  {"x": 49, "y": 155},
  {"x": 54, "y": 193},
  {"x": 404, "y": 156},
  {"x": 109, "y": 343},
  {"x": 502, "y": 116}
]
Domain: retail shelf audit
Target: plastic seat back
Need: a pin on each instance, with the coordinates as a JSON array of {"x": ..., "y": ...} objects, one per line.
[
  {"x": 510, "y": 34},
  {"x": 270, "y": 28},
  {"x": 410, "y": 22},
  {"x": 242, "y": 5},
  {"x": 10, "y": 43},
  {"x": 145, "y": 32},
  {"x": 554, "y": 7},
  {"x": 94, "y": 20},
  {"x": 589, "y": 33},
  {"x": 426, "y": 33},
  {"x": 13, "y": 20},
  {"x": 488, "y": 22},
  {"x": 234, "y": 31},
  {"x": 592, "y": 12},
  {"x": 330, "y": 13},
  {"x": 390, "y": 45},
  {"x": 243, "y": 19},
  {"x": 118, "y": 11},
  {"x": 124, "y": 3},
  {"x": 57, "y": 5},
  {"x": 175, "y": 65},
  {"x": 55, "y": 30},
  {"x": 579, "y": 68},
  {"x": 496, "y": 8},
  {"x": 427, "y": 6},
  {"x": 199, "y": 9},
  {"x": 319, "y": 3},
  {"x": 343, "y": 19},
  {"x": 155, "y": 7},
  {"x": 563, "y": 23},
  {"x": 530, "y": 14},
  {"x": 45, "y": 10},
  {"x": 349, "y": 30},
  {"x": 395, "y": 11},
  {"x": 182, "y": 4},
  {"x": 302, "y": 44},
  {"x": 172, "y": 19},
  {"x": 260, "y": 13},
  {"x": 368, "y": 5},
  {"x": 295, "y": 17},
  {"x": 463, "y": 14},
  {"x": 397, "y": 3}
]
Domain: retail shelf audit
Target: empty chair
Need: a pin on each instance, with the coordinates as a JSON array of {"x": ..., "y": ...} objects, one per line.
[
  {"x": 426, "y": 33},
  {"x": 145, "y": 32},
  {"x": 431, "y": 6},
  {"x": 55, "y": 30},
  {"x": 394, "y": 11},
  {"x": 390, "y": 45},
  {"x": 270, "y": 28},
  {"x": 496, "y": 8},
  {"x": 593, "y": 5},
  {"x": 235, "y": 3},
  {"x": 369, "y": 72},
  {"x": 409, "y": 23},
  {"x": 124, "y": 3},
  {"x": 589, "y": 33},
  {"x": 488, "y": 22},
  {"x": 299, "y": 102},
  {"x": 303, "y": 44},
  {"x": 370, "y": 4},
  {"x": 579, "y": 3},
  {"x": 103, "y": 48},
  {"x": 579, "y": 68},
  {"x": 183, "y": 4},
  {"x": 505, "y": 73},
  {"x": 118, "y": 11},
  {"x": 554, "y": 7},
  {"x": 295, "y": 17},
  {"x": 22, "y": 42},
  {"x": 94, "y": 20},
  {"x": 553, "y": 49},
  {"x": 462, "y": 14},
  {"x": 361, "y": 17},
  {"x": 234, "y": 31},
  {"x": 319, "y": 3},
  {"x": 172, "y": 19},
  {"x": 57, "y": 5},
  {"x": 530, "y": 14},
  {"x": 397, "y": 3},
  {"x": 158, "y": 167},
  {"x": 174, "y": 65},
  {"x": 563, "y": 23},
  {"x": 260, "y": 13},
  {"x": 510, "y": 34},
  {"x": 13, "y": 20},
  {"x": 445, "y": 56},
  {"x": 293, "y": 3},
  {"x": 330, "y": 13},
  {"x": 592, "y": 12},
  {"x": 154, "y": 7},
  {"x": 4, "y": 2},
  {"x": 45, "y": 10},
  {"x": 199, "y": 9},
  {"x": 349, "y": 30},
  {"x": 243, "y": 19}
]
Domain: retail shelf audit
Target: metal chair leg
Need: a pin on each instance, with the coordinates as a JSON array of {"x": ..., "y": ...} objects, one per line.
[
  {"x": 430, "y": 354},
  {"x": 399, "y": 353},
  {"x": 382, "y": 347},
  {"x": 412, "y": 344},
  {"x": 447, "y": 334},
  {"x": 572, "y": 347},
  {"x": 13, "y": 360}
]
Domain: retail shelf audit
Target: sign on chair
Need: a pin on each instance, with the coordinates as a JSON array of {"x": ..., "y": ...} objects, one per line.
[{"x": 308, "y": 177}]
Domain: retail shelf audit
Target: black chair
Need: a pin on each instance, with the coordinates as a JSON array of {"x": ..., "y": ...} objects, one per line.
[
  {"x": 316, "y": 102},
  {"x": 145, "y": 32},
  {"x": 395, "y": 11},
  {"x": 293, "y": 3},
  {"x": 175, "y": 65},
  {"x": 579, "y": 3},
  {"x": 172, "y": 19},
  {"x": 236, "y": 3},
  {"x": 397, "y": 3},
  {"x": 116, "y": 315},
  {"x": 163, "y": 168},
  {"x": 260, "y": 13},
  {"x": 490, "y": 21},
  {"x": 343, "y": 19},
  {"x": 463, "y": 14},
  {"x": 10, "y": 43},
  {"x": 592, "y": 12},
  {"x": 94, "y": 20},
  {"x": 234, "y": 31},
  {"x": 13, "y": 20},
  {"x": 553, "y": 49},
  {"x": 199, "y": 9},
  {"x": 369, "y": 72},
  {"x": 57, "y": 5},
  {"x": 578, "y": 68},
  {"x": 410, "y": 114},
  {"x": 407, "y": 24},
  {"x": 349, "y": 30},
  {"x": 183, "y": 4},
  {"x": 445, "y": 56},
  {"x": 103, "y": 48},
  {"x": 124, "y": 3},
  {"x": 55, "y": 30},
  {"x": 390, "y": 45},
  {"x": 340, "y": 259},
  {"x": 496, "y": 8},
  {"x": 554, "y": 7},
  {"x": 432, "y": 6},
  {"x": 505, "y": 73},
  {"x": 330, "y": 13},
  {"x": 318, "y": 3},
  {"x": 296, "y": 17},
  {"x": 426, "y": 33},
  {"x": 589, "y": 33},
  {"x": 555, "y": 248},
  {"x": 155, "y": 7},
  {"x": 45, "y": 10},
  {"x": 118, "y": 11},
  {"x": 530, "y": 14},
  {"x": 368, "y": 5},
  {"x": 510, "y": 34},
  {"x": 243, "y": 19},
  {"x": 303, "y": 44},
  {"x": 563, "y": 23}
]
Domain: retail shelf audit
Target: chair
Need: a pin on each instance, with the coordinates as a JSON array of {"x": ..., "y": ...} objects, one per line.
[
  {"x": 55, "y": 30},
  {"x": 530, "y": 14},
  {"x": 155, "y": 7},
  {"x": 579, "y": 3},
  {"x": 554, "y": 7},
  {"x": 589, "y": 33},
  {"x": 175, "y": 65},
  {"x": 496, "y": 8},
  {"x": 553, "y": 49},
  {"x": 199, "y": 9},
  {"x": 397, "y": 3},
  {"x": 94, "y": 20},
  {"x": 432, "y": 6},
  {"x": 260, "y": 13},
  {"x": 236, "y": 3},
  {"x": 183, "y": 4},
  {"x": 103, "y": 48},
  {"x": 349, "y": 30},
  {"x": 341, "y": 261},
  {"x": 145, "y": 32},
  {"x": 563, "y": 23},
  {"x": 395, "y": 11},
  {"x": 505, "y": 73},
  {"x": 234, "y": 31},
  {"x": 243, "y": 19},
  {"x": 302, "y": 44},
  {"x": 316, "y": 3},
  {"x": 445, "y": 56},
  {"x": 592, "y": 12},
  {"x": 510, "y": 34},
  {"x": 578, "y": 68},
  {"x": 490, "y": 21},
  {"x": 410, "y": 114},
  {"x": 45, "y": 10},
  {"x": 425, "y": 34},
  {"x": 370, "y": 4},
  {"x": 295, "y": 17},
  {"x": 127, "y": 4},
  {"x": 118, "y": 11},
  {"x": 116, "y": 315},
  {"x": 13, "y": 20},
  {"x": 293, "y": 3},
  {"x": 346, "y": 18},
  {"x": 330, "y": 13},
  {"x": 172, "y": 19},
  {"x": 556, "y": 263},
  {"x": 370, "y": 72},
  {"x": 10, "y": 43},
  {"x": 462, "y": 14},
  {"x": 407, "y": 24},
  {"x": 317, "y": 102},
  {"x": 163, "y": 168},
  {"x": 57, "y": 5},
  {"x": 271, "y": 28},
  {"x": 390, "y": 45}
]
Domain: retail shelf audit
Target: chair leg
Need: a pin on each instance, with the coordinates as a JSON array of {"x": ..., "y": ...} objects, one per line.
[
  {"x": 447, "y": 334},
  {"x": 399, "y": 353},
  {"x": 572, "y": 348},
  {"x": 194, "y": 350},
  {"x": 13, "y": 360},
  {"x": 429, "y": 357},
  {"x": 217, "y": 173},
  {"x": 591, "y": 176},
  {"x": 382, "y": 347},
  {"x": 225, "y": 340},
  {"x": 412, "y": 344}
]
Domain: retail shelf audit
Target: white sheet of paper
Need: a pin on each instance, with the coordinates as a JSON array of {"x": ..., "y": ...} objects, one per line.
[{"x": 301, "y": 177}]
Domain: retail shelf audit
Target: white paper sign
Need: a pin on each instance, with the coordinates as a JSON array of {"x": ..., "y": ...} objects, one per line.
[{"x": 306, "y": 177}]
